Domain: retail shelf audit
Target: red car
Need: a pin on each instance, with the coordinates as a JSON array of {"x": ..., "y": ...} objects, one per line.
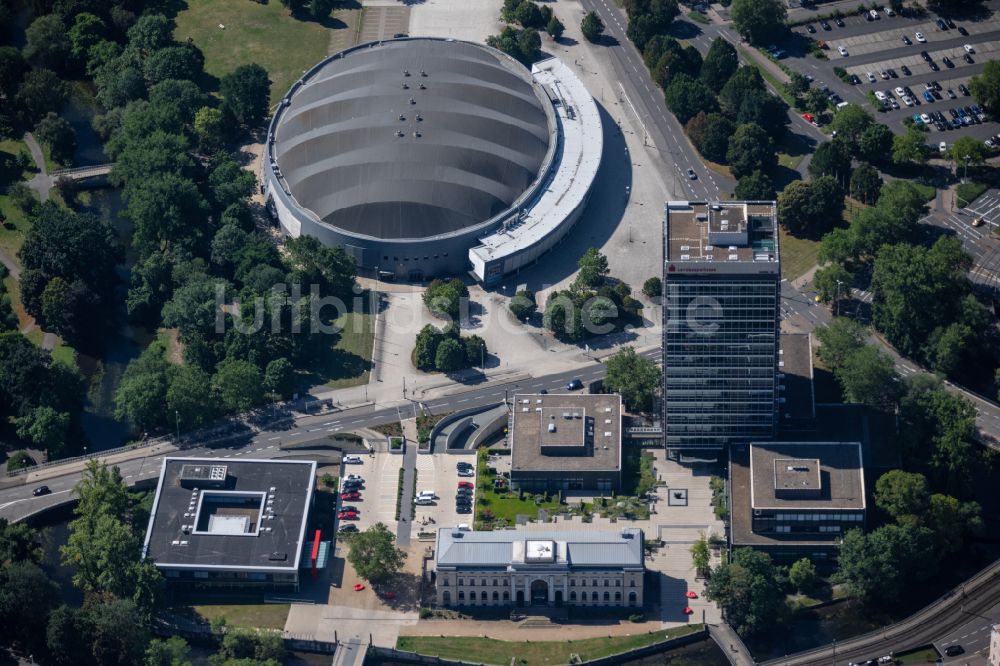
[
  {"x": 350, "y": 496},
  {"x": 466, "y": 484},
  {"x": 347, "y": 515}
]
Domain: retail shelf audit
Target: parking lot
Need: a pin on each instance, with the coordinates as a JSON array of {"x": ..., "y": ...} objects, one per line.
[
  {"x": 877, "y": 47},
  {"x": 378, "y": 495},
  {"x": 439, "y": 473}
]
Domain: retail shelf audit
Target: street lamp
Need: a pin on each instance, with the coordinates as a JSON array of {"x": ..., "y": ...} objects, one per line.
[
  {"x": 838, "y": 296},
  {"x": 965, "y": 174}
]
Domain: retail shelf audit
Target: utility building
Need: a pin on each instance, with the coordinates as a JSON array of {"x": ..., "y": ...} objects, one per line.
[{"x": 722, "y": 282}]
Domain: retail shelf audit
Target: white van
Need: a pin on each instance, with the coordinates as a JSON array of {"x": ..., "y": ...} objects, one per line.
[
  {"x": 430, "y": 494},
  {"x": 424, "y": 501}
]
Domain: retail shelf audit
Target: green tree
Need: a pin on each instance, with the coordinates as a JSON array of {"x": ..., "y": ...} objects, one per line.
[
  {"x": 592, "y": 27},
  {"x": 701, "y": 556},
  {"x": 167, "y": 211},
  {"x": 875, "y": 566},
  {"x": 239, "y": 385},
  {"x": 802, "y": 575},
  {"x": 833, "y": 283},
  {"x": 279, "y": 378},
  {"x": 985, "y": 86},
  {"x": 831, "y": 158},
  {"x": 173, "y": 651},
  {"x": 635, "y": 377},
  {"x": 750, "y": 149},
  {"x": 27, "y": 595},
  {"x": 450, "y": 356},
  {"x": 88, "y": 29},
  {"x": 967, "y": 150},
  {"x": 555, "y": 28},
  {"x": 593, "y": 269},
  {"x": 115, "y": 636},
  {"x": 875, "y": 143},
  {"x": 756, "y": 186},
  {"x": 425, "y": 350},
  {"x": 811, "y": 209},
  {"x": 759, "y": 21},
  {"x": 12, "y": 68},
  {"x": 816, "y": 101},
  {"x": 18, "y": 543},
  {"x": 909, "y": 148},
  {"x": 750, "y": 588},
  {"x": 246, "y": 91},
  {"x": 714, "y": 142},
  {"x": 529, "y": 43},
  {"x": 374, "y": 555},
  {"x": 952, "y": 521},
  {"x": 851, "y": 122},
  {"x": 720, "y": 63},
  {"x": 190, "y": 400},
  {"x": 58, "y": 135},
  {"x": 475, "y": 351},
  {"x": 180, "y": 63},
  {"x": 210, "y": 127},
  {"x": 523, "y": 305},
  {"x": 45, "y": 428},
  {"x": 65, "y": 636},
  {"x": 797, "y": 85},
  {"x": 902, "y": 495},
  {"x": 743, "y": 83},
  {"x": 150, "y": 33},
  {"x": 948, "y": 347},
  {"x": 838, "y": 340},
  {"x": 142, "y": 390},
  {"x": 687, "y": 96},
  {"x": 865, "y": 183},
  {"x": 652, "y": 287},
  {"x": 40, "y": 92},
  {"x": 445, "y": 299},
  {"x": 868, "y": 376},
  {"x": 48, "y": 42},
  {"x": 529, "y": 15}
]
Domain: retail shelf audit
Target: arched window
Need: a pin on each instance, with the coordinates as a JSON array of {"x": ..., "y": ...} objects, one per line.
[
  {"x": 506, "y": 596},
  {"x": 631, "y": 598},
  {"x": 593, "y": 596},
  {"x": 446, "y": 597},
  {"x": 482, "y": 595},
  {"x": 618, "y": 596},
  {"x": 496, "y": 596},
  {"x": 444, "y": 581},
  {"x": 607, "y": 596},
  {"x": 572, "y": 596},
  {"x": 461, "y": 595}
]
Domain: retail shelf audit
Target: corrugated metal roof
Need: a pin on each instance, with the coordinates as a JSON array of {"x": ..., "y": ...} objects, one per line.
[{"x": 486, "y": 548}]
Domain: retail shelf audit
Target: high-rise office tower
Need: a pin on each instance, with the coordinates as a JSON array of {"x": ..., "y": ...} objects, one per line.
[{"x": 721, "y": 289}]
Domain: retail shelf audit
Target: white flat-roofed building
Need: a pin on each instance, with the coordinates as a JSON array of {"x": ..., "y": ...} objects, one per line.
[{"x": 522, "y": 568}]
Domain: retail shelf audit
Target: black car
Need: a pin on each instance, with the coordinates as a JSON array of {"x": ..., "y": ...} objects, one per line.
[
  {"x": 892, "y": 73},
  {"x": 353, "y": 485},
  {"x": 574, "y": 385},
  {"x": 463, "y": 509},
  {"x": 954, "y": 650},
  {"x": 348, "y": 527},
  {"x": 934, "y": 66},
  {"x": 940, "y": 126},
  {"x": 926, "y": 56},
  {"x": 41, "y": 490},
  {"x": 953, "y": 112},
  {"x": 906, "y": 40},
  {"x": 968, "y": 58},
  {"x": 963, "y": 89},
  {"x": 905, "y": 70},
  {"x": 839, "y": 21},
  {"x": 936, "y": 85},
  {"x": 824, "y": 25},
  {"x": 855, "y": 80},
  {"x": 963, "y": 31},
  {"x": 951, "y": 24},
  {"x": 810, "y": 29},
  {"x": 948, "y": 63},
  {"x": 909, "y": 91}
]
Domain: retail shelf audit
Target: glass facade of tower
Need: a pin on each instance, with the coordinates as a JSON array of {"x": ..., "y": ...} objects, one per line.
[{"x": 720, "y": 335}]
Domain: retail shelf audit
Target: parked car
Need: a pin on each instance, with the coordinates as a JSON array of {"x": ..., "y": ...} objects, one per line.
[
  {"x": 466, "y": 484},
  {"x": 926, "y": 56},
  {"x": 905, "y": 70},
  {"x": 842, "y": 51},
  {"x": 41, "y": 490},
  {"x": 951, "y": 24},
  {"x": 810, "y": 29},
  {"x": 962, "y": 88},
  {"x": 942, "y": 147},
  {"x": 353, "y": 485},
  {"x": 352, "y": 460},
  {"x": 907, "y": 100},
  {"x": 347, "y": 515},
  {"x": 963, "y": 31},
  {"x": 933, "y": 65},
  {"x": 951, "y": 94},
  {"x": 928, "y": 96},
  {"x": 948, "y": 63},
  {"x": 880, "y": 96},
  {"x": 825, "y": 25},
  {"x": 941, "y": 24},
  {"x": 888, "y": 11},
  {"x": 925, "y": 119},
  {"x": 906, "y": 40},
  {"x": 349, "y": 527},
  {"x": 424, "y": 501},
  {"x": 354, "y": 477},
  {"x": 350, "y": 509},
  {"x": 463, "y": 509},
  {"x": 968, "y": 48},
  {"x": 855, "y": 80},
  {"x": 350, "y": 496},
  {"x": 874, "y": 14},
  {"x": 954, "y": 650},
  {"x": 892, "y": 73},
  {"x": 884, "y": 74},
  {"x": 427, "y": 493},
  {"x": 839, "y": 21},
  {"x": 920, "y": 37},
  {"x": 967, "y": 58},
  {"x": 464, "y": 465}
]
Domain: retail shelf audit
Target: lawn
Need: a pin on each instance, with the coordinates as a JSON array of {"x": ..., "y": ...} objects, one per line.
[
  {"x": 966, "y": 193},
  {"x": 490, "y": 651},
  {"x": 798, "y": 255},
  {"x": 927, "y": 655},
  {"x": 698, "y": 17},
  {"x": 266, "y": 616},
  {"x": 500, "y": 509},
  {"x": 12, "y": 235},
  {"x": 255, "y": 32},
  {"x": 347, "y": 361}
]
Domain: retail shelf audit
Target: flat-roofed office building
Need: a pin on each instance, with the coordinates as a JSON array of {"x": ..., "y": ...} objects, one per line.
[{"x": 722, "y": 281}]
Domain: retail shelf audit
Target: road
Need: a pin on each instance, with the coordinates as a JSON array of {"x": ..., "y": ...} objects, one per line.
[{"x": 17, "y": 502}]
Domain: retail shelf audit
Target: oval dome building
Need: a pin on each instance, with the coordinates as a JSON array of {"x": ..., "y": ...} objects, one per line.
[{"x": 410, "y": 152}]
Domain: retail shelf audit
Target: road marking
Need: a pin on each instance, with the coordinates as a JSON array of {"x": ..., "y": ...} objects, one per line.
[{"x": 271, "y": 439}]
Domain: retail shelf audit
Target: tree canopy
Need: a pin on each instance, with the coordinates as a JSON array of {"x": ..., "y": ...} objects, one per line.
[
  {"x": 751, "y": 590},
  {"x": 374, "y": 555},
  {"x": 635, "y": 377},
  {"x": 759, "y": 21}
]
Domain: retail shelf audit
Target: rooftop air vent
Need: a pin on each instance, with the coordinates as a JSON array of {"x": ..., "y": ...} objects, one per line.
[
  {"x": 413, "y": 101},
  {"x": 685, "y": 257},
  {"x": 277, "y": 556},
  {"x": 406, "y": 72},
  {"x": 734, "y": 257}
]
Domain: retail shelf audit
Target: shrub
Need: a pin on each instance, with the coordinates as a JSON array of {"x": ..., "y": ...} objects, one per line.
[{"x": 19, "y": 460}]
